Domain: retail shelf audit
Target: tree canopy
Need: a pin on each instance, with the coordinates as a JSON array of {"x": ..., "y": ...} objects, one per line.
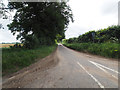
[
  {"x": 110, "y": 34},
  {"x": 39, "y": 23}
]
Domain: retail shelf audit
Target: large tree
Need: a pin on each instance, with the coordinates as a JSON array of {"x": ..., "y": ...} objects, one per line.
[
  {"x": 3, "y": 12},
  {"x": 38, "y": 23}
]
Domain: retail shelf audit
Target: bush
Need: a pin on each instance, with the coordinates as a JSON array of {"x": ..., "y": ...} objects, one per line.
[
  {"x": 110, "y": 34},
  {"x": 111, "y": 50}
]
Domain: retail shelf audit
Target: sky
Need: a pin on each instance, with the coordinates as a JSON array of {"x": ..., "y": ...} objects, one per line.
[
  {"x": 92, "y": 15},
  {"x": 88, "y": 15}
]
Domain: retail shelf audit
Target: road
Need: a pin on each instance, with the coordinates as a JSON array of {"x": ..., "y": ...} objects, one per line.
[{"x": 73, "y": 70}]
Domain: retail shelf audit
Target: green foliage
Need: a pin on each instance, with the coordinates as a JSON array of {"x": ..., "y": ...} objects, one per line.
[
  {"x": 59, "y": 38},
  {"x": 110, "y": 34},
  {"x": 16, "y": 46},
  {"x": 104, "y": 42},
  {"x": 71, "y": 40},
  {"x": 38, "y": 23},
  {"x": 31, "y": 42},
  {"x": 111, "y": 50},
  {"x": 16, "y": 58},
  {"x": 4, "y": 14},
  {"x": 64, "y": 41}
]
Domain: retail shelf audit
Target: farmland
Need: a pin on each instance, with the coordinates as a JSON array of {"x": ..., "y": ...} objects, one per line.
[{"x": 6, "y": 45}]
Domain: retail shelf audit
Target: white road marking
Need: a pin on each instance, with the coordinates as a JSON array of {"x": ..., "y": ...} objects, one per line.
[
  {"x": 102, "y": 69},
  {"x": 108, "y": 68},
  {"x": 100, "y": 85}
]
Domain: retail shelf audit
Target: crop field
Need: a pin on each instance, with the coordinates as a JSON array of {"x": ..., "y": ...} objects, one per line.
[{"x": 6, "y": 45}]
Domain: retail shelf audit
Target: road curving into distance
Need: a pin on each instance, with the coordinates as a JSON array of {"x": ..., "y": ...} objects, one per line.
[{"x": 71, "y": 69}]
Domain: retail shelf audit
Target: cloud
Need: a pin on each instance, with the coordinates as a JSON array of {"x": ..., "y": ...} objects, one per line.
[
  {"x": 74, "y": 30},
  {"x": 110, "y": 7},
  {"x": 92, "y": 15},
  {"x": 88, "y": 15},
  {"x": 5, "y": 34}
]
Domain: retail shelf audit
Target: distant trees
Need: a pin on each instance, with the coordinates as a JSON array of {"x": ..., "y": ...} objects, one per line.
[
  {"x": 59, "y": 38},
  {"x": 110, "y": 34},
  {"x": 40, "y": 23}
]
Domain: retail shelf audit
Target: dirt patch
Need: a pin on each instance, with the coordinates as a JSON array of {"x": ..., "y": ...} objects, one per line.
[{"x": 29, "y": 74}]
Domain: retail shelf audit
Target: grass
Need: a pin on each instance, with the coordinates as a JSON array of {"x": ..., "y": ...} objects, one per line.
[
  {"x": 16, "y": 59},
  {"x": 110, "y": 50}
]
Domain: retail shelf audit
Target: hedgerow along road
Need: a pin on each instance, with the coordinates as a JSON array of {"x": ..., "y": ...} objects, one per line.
[{"x": 71, "y": 70}]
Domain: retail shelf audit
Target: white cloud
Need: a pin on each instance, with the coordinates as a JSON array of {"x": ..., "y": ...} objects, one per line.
[
  {"x": 5, "y": 34},
  {"x": 88, "y": 15},
  {"x": 92, "y": 15}
]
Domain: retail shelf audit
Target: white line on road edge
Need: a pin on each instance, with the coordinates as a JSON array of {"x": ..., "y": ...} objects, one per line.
[
  {"x": 107, "y": 68},
  {"x": 100, "y": 85},
  {"x": 102, "y": 69}
]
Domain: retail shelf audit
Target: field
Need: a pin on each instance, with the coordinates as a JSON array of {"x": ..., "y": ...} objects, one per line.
[
  {"x": 17, "y": 58},
  {"x": 6, "y": 45},
  {"x": 111, "y": 50}
]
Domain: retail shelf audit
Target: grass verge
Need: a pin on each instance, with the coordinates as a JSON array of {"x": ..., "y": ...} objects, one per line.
[
  {"x": 111, "y": 50},
  {"x": 16, "y": 59}
]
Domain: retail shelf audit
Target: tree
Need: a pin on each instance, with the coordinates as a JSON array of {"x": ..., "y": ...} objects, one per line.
[
  {"x": 43, "y": 20},
  {"x": 4, "y": 12},
  {"x": 59, "y": 38},
  {"x": 110, "y": 34}
]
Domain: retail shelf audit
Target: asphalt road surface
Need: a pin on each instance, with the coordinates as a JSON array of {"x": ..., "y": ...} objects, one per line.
[{"x": 73, "y": 70}]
